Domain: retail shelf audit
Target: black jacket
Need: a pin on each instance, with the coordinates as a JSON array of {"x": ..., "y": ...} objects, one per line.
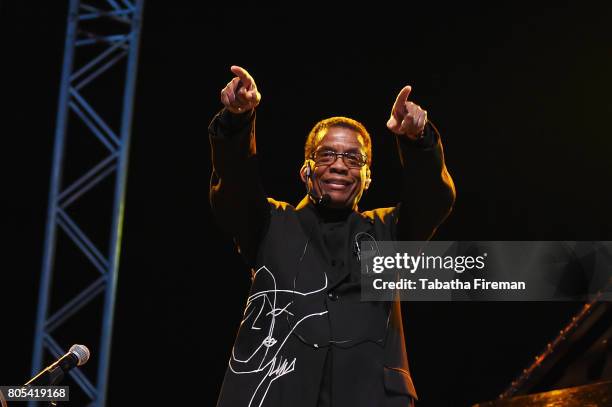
[{"x": 302, "y": 301}]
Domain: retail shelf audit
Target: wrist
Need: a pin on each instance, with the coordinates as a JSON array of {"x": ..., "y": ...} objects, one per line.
[{"x": 229, "y": 119}]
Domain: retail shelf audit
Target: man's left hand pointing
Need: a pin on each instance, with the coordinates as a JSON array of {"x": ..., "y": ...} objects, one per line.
[{"x": 407, "y": 118}]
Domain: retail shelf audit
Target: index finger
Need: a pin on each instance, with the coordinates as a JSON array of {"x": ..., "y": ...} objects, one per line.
[
  {"x": 245, "y": 77},
  {"x": 401, "y": 99}
]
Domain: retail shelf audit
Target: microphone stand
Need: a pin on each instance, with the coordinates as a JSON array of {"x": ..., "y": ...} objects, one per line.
[{"x": 55, "y": 376}]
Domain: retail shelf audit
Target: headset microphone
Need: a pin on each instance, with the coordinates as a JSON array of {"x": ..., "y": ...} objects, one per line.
[{"x": 319, "y": 200}]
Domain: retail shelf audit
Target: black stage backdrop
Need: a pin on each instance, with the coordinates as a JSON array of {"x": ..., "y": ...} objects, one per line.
[{"x": 520, "y": 93}]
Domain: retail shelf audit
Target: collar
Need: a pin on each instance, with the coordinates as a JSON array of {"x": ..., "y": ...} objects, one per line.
[
  {"x": 324, "y": 213},
  {"x": 308, "y": 208}
]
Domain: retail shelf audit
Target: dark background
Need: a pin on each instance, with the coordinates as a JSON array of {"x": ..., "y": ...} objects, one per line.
[{"x": 520, "y": 93}]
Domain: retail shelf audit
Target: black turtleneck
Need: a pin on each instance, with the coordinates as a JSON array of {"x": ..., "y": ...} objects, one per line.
[
  {"x": 327, "y": 214},
  {"x": 334, "y": 230}
]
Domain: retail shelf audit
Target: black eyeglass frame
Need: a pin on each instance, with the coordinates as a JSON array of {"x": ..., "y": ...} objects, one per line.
[{"x": 345, "y": 156}]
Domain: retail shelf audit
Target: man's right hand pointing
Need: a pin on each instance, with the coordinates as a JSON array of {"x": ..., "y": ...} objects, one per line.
[{"x": 240, "y": 94}]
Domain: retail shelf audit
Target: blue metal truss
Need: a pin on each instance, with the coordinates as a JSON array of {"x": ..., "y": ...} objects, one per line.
[{"x": 101, "y": 35}]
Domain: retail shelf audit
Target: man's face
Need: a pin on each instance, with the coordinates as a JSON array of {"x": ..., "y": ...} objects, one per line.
[{"x": 342, "y": 183}]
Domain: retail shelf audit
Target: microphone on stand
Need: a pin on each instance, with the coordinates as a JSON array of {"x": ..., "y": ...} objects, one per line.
[{"x": 77, "y": 355}]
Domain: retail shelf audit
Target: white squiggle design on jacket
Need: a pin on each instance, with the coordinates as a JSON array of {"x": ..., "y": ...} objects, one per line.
[{"x": 274, "y": 366}]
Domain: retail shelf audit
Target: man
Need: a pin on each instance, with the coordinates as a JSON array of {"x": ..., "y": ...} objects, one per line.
[{"x": 306, "y": 339}]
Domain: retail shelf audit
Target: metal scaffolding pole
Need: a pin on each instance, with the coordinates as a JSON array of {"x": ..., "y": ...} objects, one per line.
[{"x": 102, "y": 37}]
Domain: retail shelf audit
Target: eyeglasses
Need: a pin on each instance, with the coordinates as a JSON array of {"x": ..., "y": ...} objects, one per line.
[{"x": 328, "y": 157}]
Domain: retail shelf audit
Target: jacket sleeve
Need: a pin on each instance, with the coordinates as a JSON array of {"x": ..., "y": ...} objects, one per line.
[
  {"x": 428, "y": 192},
  {"x": 237, "y": 198}
]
